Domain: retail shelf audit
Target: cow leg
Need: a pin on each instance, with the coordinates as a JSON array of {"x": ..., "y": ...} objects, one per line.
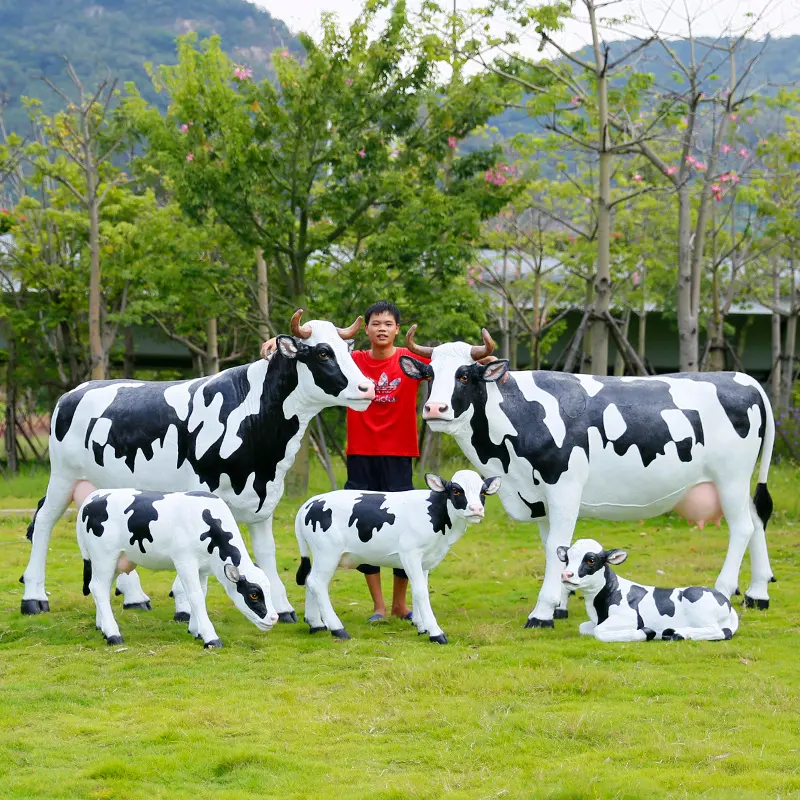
[
  {"x": 100, "y": 587},
  {"x": 133, "y": 596},
  {"x": 312, "y": 614},
  {"x": 423, "y": 613},
  {"x": 735, "y": 501},
  {"x": 760, "y": 569},
  {"x": 200, "y": 625},
  {"x": 264, "y": 552},
  {"x": 711, "y": 632},
  {"x": 58, "y": 497},
  {"x": 317, "y": 583},
  {"x": 183, "y": 611},
  {"x": 562, "y": 612},
  {"x": 561, "y": 521}
]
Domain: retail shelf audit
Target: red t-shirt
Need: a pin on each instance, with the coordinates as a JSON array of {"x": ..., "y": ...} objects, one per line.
[{"x": 389, "y": 425}]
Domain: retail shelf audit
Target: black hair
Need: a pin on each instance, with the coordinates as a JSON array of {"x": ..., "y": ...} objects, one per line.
[{"x": 379, "y": 308}]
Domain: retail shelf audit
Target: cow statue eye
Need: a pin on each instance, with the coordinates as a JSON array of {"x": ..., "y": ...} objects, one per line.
[
  {"x": 456, "y": 493},
  {"x": 254, "y": 595},
  {"x": 463, "y": 378},
  {"x": 590, "y": 561},
  {"x": 323, "y": 355}
]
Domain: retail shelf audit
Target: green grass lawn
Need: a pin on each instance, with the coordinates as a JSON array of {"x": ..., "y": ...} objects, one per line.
[{"x": 500, "y": 712}]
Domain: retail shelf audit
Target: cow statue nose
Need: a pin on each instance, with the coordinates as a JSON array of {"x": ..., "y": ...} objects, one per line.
[
  {"x": 436, "y": 408},
  {"x": 566, "y": 575},
  {"x": 273, "y": 618},
  {"x": 367, "y": 389},
  {"x": 476, "y": 509}
]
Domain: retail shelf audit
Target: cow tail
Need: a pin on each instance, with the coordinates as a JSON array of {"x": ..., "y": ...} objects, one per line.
[
  {"x": 87, "y": 575},
  {"x": 305, "y": 561},
  {"x": 29, "y": 534},
  {"x": 762, "y": 498}
]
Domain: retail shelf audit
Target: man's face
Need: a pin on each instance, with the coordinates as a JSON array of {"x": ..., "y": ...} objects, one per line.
[{"x": 382, "y": 329}]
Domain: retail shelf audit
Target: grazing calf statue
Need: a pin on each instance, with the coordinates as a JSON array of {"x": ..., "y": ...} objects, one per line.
[
  {"x": 235, "y": 434},
  {"x": 191, "y": 532},
  {"x": 622, "y": 611},
  {"x": 572, "y": 446},
  {"x": 412, "y": 530}
]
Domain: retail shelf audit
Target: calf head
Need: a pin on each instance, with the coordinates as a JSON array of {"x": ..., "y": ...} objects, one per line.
[
  {"x": 585, "y": 562},
  {"x": 465, "y": 493},
  {"x": 458, "y": 373},
  {"x": 326, "y": 372},
  {"x": 251, "y": 595}
]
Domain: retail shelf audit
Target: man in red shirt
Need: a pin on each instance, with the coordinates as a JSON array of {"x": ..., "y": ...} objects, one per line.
[{"x": 382, "y": 440}]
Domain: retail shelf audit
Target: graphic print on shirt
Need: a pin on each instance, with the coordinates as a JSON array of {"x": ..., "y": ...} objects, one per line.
[{"x": 385, "y": 389}]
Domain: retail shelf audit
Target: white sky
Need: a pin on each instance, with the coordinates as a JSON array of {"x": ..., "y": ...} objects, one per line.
[{"x": 780, "y": 17}]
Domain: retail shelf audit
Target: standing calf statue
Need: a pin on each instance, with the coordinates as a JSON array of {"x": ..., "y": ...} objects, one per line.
[
  {"x": 235, "y": 434},
  {"x": 571, "y": 446},
  {"x": 413, "y": 530},
  {"x": 622, "y": 611},
  {"x": 191, "y": 532}
]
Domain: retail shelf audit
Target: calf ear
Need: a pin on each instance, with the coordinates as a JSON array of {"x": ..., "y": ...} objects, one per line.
[
  {"x": 491, "y": 485},
  {"x": 231, "y": 572},
  {"x": 616, "y": 556},
  {"x": 418, "y": 370},
  {"x": 495, "y": 370},
  {"x": 435, "y": 483},
  {"x": 561, "y": 552}
]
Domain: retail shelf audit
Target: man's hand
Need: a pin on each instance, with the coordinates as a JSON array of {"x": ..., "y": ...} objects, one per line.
[{"x": 268, "y": 348}]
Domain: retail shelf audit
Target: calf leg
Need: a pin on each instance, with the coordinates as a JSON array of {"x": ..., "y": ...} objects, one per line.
[
  {"x": 264, "y": 551},
  {"x": 713, "y": 632},
  {"x": 735, "y": 501},
  {"x": 618, "y": 633},
  {"x": 312, "y": 615},
  {"x": 58, "y": 497},
  {"x": 183, "y": 611},
  {"x": 317, "y": 582},
  {"x": 133, "y": 596},
  {"x": 421, "y": 596},
  {"x": 200, "y": 624},
  {"x": 100, "y": 587}
]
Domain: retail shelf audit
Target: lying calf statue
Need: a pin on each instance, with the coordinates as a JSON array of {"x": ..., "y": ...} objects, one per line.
[
  {"x": 191, "y": 532},
  {"x": 413, "y": 530},
  {"x": 622, "y": 611}
]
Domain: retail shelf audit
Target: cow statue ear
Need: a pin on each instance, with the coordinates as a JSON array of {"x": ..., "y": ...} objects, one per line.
[
  {"x": 287, "y": 346},
  {"x": 417, "y": 370},
  {"x": 232, "y": 572},
  {"x": 561, "y": 552},
  {"x": 616, "y": 556},
  {"x": 435, "y": 483},
  {"x": 491, "y": 485},
  {"x": 495, "y": 370}
]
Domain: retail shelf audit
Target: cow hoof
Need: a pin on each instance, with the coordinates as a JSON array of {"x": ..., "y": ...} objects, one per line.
[
  {"x": 754, "y": 602},
  {"x": 214, "y": 644},
  {"x": 773, "y": 579},
  {"x": 317, "y": 629},
  {"x": 145, "y": 606},
  {"x": 117, "y": 592},
  {"x": 727, "y": 633},
  {"x": 341, "y": 633},
  {"x": 287, "y": 616},
  {"x": 676, "y": 637},
  {"x": 649, "y": 633},
  {"x": 181, "y": 616},
  {"x": 440, "y": 639},
  {"x": 539, "y": 623},
  {"x": 34, "y": 606},
  {"x": 738, "y": 591},
  {"x": 114, "y": 640},
  {"x": 560, "y": 613}
]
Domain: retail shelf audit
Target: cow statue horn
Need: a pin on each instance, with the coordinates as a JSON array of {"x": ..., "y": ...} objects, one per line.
[
  {"x": 483, "y": 351},
  {"x": 417, "y": 349},
  {"x": 352, "y": 330},
  {"x": 298, "y": 330}
]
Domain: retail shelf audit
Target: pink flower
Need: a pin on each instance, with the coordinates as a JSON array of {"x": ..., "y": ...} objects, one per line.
[
  {"x": 691, "y": 160},
  {"x": 671, "y": 170},
  {"x": 743, "y": 152},
  {"x": 733, "y": 117},
  {"x": 725, "y": 177},
  {"x": 572, "y": 240},
  {"x": 716, "y": 190},
  {"x": 451, "y": 142},
  {"x": 735, "y": 178},
  {"x": 348, "y": 81},
  {"x": 284, "y": 54},
  {"x": 184, "y": 128},
  {"x": 576, "y": 101},
  {"x": 749, "y": 119},
  {"x": 587, "y": 200},
  {"x": 636, "y": 278},
  {"x": 616, "y": 235},
  {"x": 725, "y": 149},
  {"x": 190, "y": 156},
  {"x": 700, "y": 166},
  {"x": 362, "y": 152},
  {"x": 242, "y": 73},
  {"x": 637, "y": 178}
]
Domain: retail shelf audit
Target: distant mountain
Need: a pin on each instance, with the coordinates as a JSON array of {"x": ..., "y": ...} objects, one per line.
[{"x": 116, "y": 38}]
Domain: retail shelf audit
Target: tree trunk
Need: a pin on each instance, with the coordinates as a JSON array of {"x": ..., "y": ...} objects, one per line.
[
  {"x": 687, "y": 316},
  {"x": 212, "y": 347},
  {"x": 11, "y": 409},
  {"x": 297, "y": 476},
  {"x": 129, "y": 361},
  {"x": 788, "y": 371},
  {"x": 716, "y": 329},
  {"x": 98, "y": 356},
  {"x": 262, "y": 278},
  {"x": 775, "y": 375},
  {"x": 586, "y": 366},
  {"x": 505, "y": 345},
  {"x": 619, "y": 361}
]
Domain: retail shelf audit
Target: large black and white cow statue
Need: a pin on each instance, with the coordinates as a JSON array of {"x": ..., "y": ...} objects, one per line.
[
  {"x": 571, "y": 446},
  {"x": 234, "y": 434}
]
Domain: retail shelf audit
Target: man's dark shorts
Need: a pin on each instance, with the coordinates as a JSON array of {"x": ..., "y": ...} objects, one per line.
[{"x": 379, "y": 474}]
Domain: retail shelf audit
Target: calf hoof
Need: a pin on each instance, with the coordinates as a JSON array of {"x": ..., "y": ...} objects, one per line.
[
  {"x": 117, "y": 592},
  {"x": 440, "y": 639},
  {"x": 421, "y": 633},
  {"x": 676, "y": 637},
  {"x": 114, "y": 640},
  {"x": 214, "y": 644},
  {"x": 727, "y": 633},
  {"x": 738, "y": 591},
  {"x": 773, "y": 579},
  {"x": 145, "y": 606},
  {"x": 539, "y": 623},
  {"x": 649, "y": 633},
  {"x": 318, "y": 629},
  {"x": 340, "y": 634},
  {"x": 34, "y": 606},
  {"x": 754, "y": 602},
  {"x": 181, "y": 616},
  {"x": 287, "y": 616},
  {"x": 560, "y": 613}
]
